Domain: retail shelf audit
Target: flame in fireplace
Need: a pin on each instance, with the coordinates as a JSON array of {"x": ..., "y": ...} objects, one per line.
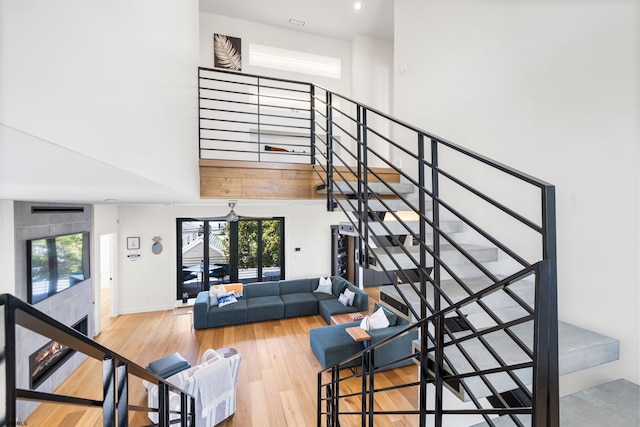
[{"x": 47, "y": 356}]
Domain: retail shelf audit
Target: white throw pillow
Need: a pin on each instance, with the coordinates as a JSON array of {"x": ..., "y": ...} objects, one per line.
[
  {"x": 364, "y": 324},
  {"x": 350, "y": 295},
  {"x": 343, "y": 299},
  {"x": 324, "y": 286},
  {"x": 378, "y": 320}
]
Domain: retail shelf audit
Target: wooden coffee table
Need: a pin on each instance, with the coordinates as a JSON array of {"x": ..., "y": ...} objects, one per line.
[{"x": 339, "y": 319}]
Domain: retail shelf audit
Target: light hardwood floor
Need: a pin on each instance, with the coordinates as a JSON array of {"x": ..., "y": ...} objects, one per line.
[{"x": 277, "y": 384}]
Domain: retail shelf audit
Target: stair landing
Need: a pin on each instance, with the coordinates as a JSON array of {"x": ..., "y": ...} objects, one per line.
[{"x": 616, "y": 403}]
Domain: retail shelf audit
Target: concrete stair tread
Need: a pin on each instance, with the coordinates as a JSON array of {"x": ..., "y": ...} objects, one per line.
[
  {"x": 342, "y": 187},
  {"x": 448, "y": 255},
  {"x": 496, "y": 301},
  {"x": 579, "y": 349},
  {"x": 616, "y": 403},
  {"x": 376, "y": 205},
  {"x": 398, "y": 229}
]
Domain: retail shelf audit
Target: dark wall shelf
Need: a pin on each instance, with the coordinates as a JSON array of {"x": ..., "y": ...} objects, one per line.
[{"x": 342, "y": 254}]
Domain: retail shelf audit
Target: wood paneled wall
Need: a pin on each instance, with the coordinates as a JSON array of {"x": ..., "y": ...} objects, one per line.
[{"x": 224, "y": 179}]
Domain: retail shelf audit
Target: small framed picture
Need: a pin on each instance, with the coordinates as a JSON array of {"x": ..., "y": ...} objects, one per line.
[{"x": 133, "y": 243}]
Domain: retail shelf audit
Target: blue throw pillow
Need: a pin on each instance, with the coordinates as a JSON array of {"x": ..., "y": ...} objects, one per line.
[{"x": 226, "y": 299}]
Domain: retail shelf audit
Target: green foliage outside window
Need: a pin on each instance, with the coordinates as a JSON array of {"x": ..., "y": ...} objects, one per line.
[{"x": 248, "y": 243}]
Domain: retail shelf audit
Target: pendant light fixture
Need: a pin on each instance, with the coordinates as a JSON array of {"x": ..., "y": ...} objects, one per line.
[{"x": 232, "y": 216}]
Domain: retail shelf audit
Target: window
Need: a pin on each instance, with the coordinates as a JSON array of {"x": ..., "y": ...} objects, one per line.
[
  {"x": 294, "y": 61},
  {"x": 213, "y": 251}
]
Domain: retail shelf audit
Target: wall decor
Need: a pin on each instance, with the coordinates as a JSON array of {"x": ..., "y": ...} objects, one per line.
[
  {"x": 133, "y": 243},
  {"x": 227, "y": 52},
  {"x": 156, "y": 248}
]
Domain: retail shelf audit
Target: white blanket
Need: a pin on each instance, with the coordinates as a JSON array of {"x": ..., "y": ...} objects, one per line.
[{"x": 213, "y": 385}]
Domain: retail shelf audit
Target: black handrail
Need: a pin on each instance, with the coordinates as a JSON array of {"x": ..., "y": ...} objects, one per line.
[{"x": 114, "y": 372}]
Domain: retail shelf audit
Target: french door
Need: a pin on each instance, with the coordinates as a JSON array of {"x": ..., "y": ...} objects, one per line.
[{"x": 212, "y": 251}]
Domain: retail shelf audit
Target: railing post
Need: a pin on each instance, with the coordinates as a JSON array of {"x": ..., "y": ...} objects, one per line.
[
  {"x": 109, "y": 392},
  {"x": 122, "y": 373},
  {"x": 362, "y": 185},
  {"x": 163, "y": 405},
  {"x": 259, "y": 117},
  {"x": 199, "y": 114},
  {"x": 363, "y": 394},
  {"x": 438, "y": 321},
  {"x": 329, "y": 128},
  {"x": 11, "y": 412},
  {"x": 370, "y": 363},
  {"x": 335, "y": 404},
  {"x": 424, "y": 359},
  {"x": 545, "y": 387},
  {"x": 312, "y": 123},
  {"x": 184, "y": 410}
]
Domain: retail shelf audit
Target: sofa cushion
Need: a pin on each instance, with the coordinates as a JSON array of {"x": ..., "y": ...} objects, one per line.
[
  {"x": 329, "y": 307},
  {"x": 302, "y": 304},
  {"x": 332, "y": 344},
  {"x": 261, "y": 289},
  {"x": 338, "y": 284},
  {"x": 295, "y": 286},
  {"x": 232, "y": 314},
  {"x": 264, "y": 308}
]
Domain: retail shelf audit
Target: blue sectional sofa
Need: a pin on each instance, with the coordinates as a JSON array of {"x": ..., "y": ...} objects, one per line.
[
  {"x": 331, "y": 344},
  {"x": 278, "y": 300}
]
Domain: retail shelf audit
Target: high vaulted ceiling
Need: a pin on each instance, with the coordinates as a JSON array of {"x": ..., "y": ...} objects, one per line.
[
  {"x": 27, "y": 163},
  {"x": 329, "y": 18}
]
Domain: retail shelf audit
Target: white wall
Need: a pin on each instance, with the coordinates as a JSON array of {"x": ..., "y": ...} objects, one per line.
[
  {"x": 372, "y": 85},
  {"x": 252, "y": 32},
  {"x": 112, "y": 80},
  {"x": 7, "y": 248},
  {"x": 149, "y": 283},
  {"x": 550, "y": 88}
]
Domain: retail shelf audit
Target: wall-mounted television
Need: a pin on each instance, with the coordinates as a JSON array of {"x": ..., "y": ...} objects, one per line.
[{"x": 56, "y": 263}]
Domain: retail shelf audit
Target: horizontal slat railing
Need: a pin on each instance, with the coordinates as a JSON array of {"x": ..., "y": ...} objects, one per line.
[
  {"x": 254, "y": 118},
  {"x": 114, "y": 373}
]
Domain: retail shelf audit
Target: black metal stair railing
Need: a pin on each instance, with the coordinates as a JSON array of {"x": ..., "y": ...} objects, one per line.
[
  {"x": 254, "y": 118},
  {"x": 445, "y": 356},
  {"x": 114, "y": 374},
  {"x": 497, "y": 276}
]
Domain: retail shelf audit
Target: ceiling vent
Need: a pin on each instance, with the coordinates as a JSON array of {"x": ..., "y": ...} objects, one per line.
[{"x": 56, "y": 209}]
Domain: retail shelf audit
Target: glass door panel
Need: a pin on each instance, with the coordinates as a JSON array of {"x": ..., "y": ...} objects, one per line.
[
  {"x": 218, "y": 252},
  {"x": 191, "y": 257},
  {"x": 248, "y": 250},
  {"x": 271, "y": 249}
]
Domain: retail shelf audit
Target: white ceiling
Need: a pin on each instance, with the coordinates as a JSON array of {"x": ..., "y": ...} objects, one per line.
[
  {"x": 26, "y": 171},
  {"x": 329, "y": 18}
]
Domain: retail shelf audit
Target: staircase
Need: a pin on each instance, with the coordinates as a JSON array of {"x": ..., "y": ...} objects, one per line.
[
  {"x": 114, "y": 370},
  {"x": 470, "y": 241}
]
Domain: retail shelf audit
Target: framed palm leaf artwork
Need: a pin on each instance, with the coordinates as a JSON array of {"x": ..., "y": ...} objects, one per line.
[{"x": 227, "y": 52}]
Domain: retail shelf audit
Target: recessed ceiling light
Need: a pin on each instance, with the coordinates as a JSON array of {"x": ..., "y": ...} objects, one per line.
[
  {"x": 357, "y": 5},
  {"x": 293, "y": 21}
]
